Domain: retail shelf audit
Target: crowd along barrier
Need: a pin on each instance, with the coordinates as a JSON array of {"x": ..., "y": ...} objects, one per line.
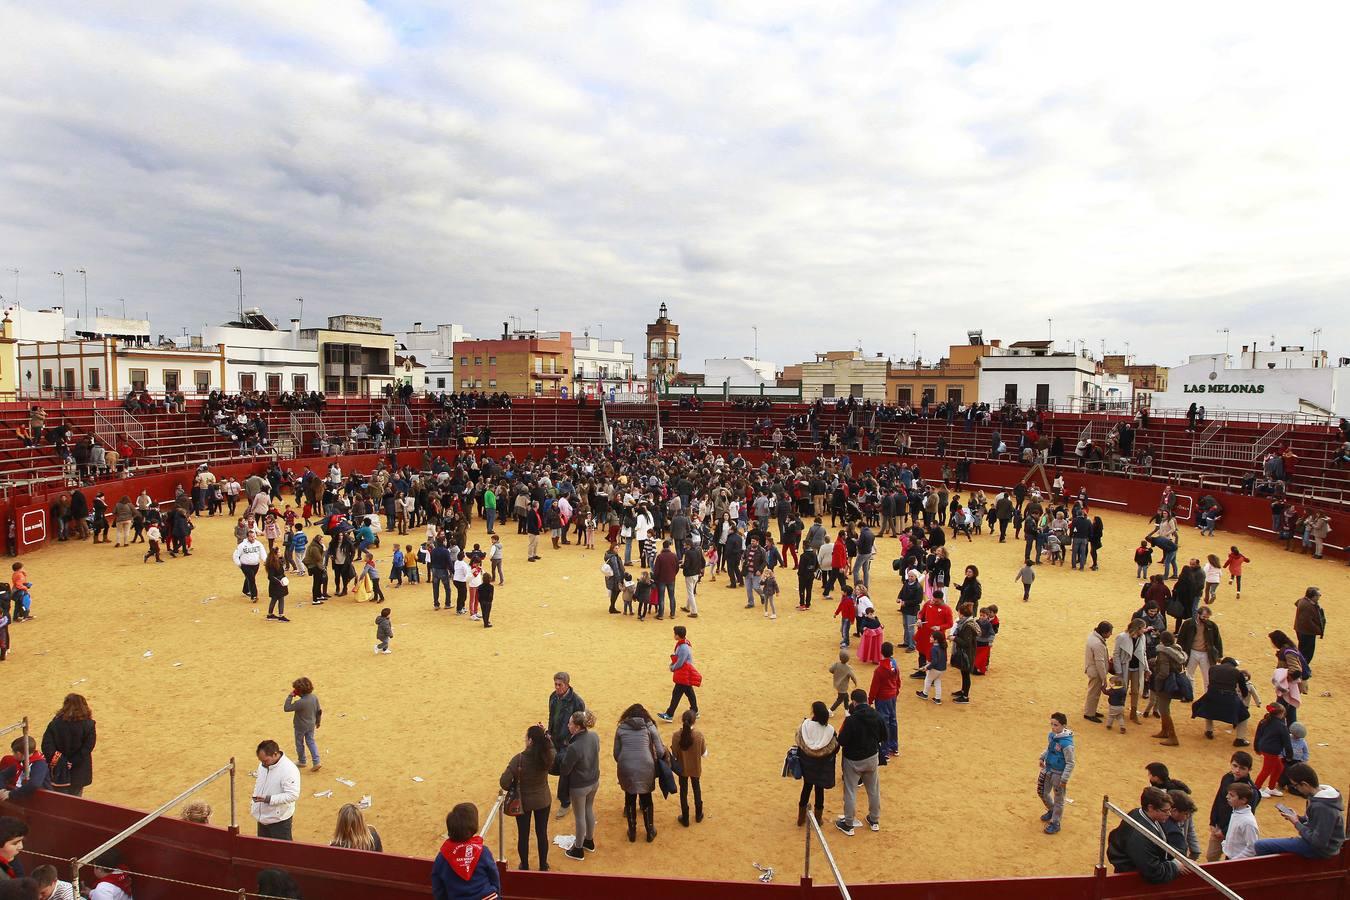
[{"x": 176, "y": 860}]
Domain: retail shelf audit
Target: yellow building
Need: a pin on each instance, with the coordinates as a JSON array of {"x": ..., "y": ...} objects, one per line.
[
  {"x": 955, "y": 378},
  {"x": 9, "y": 361}
]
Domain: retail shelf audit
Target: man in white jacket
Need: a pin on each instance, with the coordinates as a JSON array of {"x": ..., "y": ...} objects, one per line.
[
  {"x": 275, "y": 792},
  {"x": 248, "y": 556}
]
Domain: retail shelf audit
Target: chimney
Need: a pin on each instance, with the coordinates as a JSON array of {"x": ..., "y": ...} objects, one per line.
[
  {"x": 417, "y": 326},
  {"x": 506, "y": 330}
]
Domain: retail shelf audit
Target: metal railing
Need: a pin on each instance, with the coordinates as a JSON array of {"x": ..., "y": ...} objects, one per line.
[
  {"x": 27, "y": 757},
  {"x": 81, "y": 862},
  {"x": 829, "y": 857},
  {"x": 496, "y": 813},
  {"x": 1182, "y": 859}
]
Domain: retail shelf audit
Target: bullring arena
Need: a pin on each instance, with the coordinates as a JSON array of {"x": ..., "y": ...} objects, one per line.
[{"x": 183, "y": 673}]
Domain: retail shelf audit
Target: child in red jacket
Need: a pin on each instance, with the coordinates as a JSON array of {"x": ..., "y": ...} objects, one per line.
[
  {"x": 884, "y": 689},
  {"x": 847, "y": 610},
  {"x": 1234, "y": 564}
]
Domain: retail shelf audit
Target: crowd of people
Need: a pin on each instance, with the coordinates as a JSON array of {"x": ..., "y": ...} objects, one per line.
[{"x": 696, "y": 513}]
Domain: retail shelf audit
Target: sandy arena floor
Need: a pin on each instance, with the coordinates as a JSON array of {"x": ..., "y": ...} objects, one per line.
[{"x": 182, "y": 674}]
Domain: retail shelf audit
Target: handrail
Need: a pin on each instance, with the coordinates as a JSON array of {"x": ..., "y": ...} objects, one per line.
[
  {"x": 1185, "y": 861},
  {"x": 501, "y": 824},
  {"x": 27, "y": 757},
  {"x": 829, "y": 857},
  {"x": 77, "y": 864}
]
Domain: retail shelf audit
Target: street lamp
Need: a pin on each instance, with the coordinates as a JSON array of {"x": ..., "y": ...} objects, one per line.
[
  {"x": 62, "y": 276},
  {"x": 16, "y": 288},
  {"x": 84, "y": 275},
  {"x": 755, "y": 329},
  {"x": 240, "y": 272},
  {"x": 123, "y": 301}
]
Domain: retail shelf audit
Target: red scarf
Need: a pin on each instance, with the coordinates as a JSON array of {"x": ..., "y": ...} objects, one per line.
[
  {"x": 463, "y": 856},
  {"x": 119, "y": 880}
]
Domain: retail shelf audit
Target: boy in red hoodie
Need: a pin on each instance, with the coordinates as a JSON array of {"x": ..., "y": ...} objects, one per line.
[
  {"x": 882, "y": 693},
  {"x": 847, "y": 610},
  {"x": 464, "y": 869}
]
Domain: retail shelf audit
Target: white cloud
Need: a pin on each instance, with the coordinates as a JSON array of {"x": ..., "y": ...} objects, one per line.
[{"x": 865, "y": 170}]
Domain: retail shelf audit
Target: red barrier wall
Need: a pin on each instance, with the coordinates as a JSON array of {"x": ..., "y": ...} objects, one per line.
[{"x": 67, "y": 827}]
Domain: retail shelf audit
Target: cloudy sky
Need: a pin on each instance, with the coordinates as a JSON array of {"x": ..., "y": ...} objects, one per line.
[{"x": 837, "y": 174}]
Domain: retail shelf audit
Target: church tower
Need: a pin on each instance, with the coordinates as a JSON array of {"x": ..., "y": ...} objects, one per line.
[{"x": 663, "y": 351}]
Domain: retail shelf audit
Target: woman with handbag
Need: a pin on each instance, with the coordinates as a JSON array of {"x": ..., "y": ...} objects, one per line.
[
  {"x": 688, "y": 748},
  {"x": 68, "y": 744},
  {"x": 817, "y": 747},
  {"x": 964, "y": 638},
  {"x": 637, "y": 747},
  {"x": 1171, "y": 662},
  {"x": 277, "y": 586},
  {"x": 525, "y": 781}
]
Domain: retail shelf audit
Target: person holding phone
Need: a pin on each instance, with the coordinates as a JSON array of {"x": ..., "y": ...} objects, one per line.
[
  {"x": 1321, "y": 828},
  {"x": 274, "y": 792}
]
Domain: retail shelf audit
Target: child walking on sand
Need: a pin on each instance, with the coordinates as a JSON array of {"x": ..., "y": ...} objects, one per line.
[
  {"x": 410, "y": 569},
  {"x": 475, "y": 582},
  {"x": 1143, "y": 558},
  {"x": 396, "y": 567},
  {"x": 1115, "y": 702},
  {"x": 933, "y": 669},
  {"x": 1026, "y": 575},
  {"x": 384, "y": 631},
  {"x": 1213, "y": 575},
  {"x": 768, "y": 589},
  {"x": 846, "y": 612},
  {"x": 152, "y": 548},
  {"x": 843, "y": 674},
  {"x": 20, "y": 589},
  {"x": 1234, "y": 564}
]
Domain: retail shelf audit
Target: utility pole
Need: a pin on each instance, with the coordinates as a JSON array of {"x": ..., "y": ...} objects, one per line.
[
  {"x": 62, "y": 276},
  {"x": 301, "y": 301},
  {"x": 240, "y": 272},
  {"x": 1050, "y": 329},
  {"x": 84, "y": 275},
  {"x": 1225, "y": 332},
  {"x": 755, "y": 329},
  {"x": 16, "y": 288}
]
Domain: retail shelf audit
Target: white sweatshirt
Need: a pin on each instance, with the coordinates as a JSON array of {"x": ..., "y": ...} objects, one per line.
[
  {"x": 249, "y": 553},
  {"x": 1240, "y": 840}
]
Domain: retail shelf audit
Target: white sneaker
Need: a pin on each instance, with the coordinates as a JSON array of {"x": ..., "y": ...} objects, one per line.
[
  {"x": 1275, "y": 792},
  {"x": 1265, "y": 792},
  {"x": 774, "y": 616},
  {"x": 377, "y": 648},
  {"x": 386, "y": 652}
]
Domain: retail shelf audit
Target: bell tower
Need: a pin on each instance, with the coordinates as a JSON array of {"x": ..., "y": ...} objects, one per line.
[{"x": 662, "y": 352}]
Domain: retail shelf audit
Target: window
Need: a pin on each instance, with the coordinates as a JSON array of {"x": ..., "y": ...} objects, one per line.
[
  {"x": 538, "y": 387},
  {"x": 274, "y": 382},
  {"x": 299, "y": 384},
  {"x": 349, "y": 386},
  {"x": 929, "y": 394},
  {"x": 334, "y": 353},
  {"x": 46, "y": 379},
  {"x": 903, "y": 396},
  {"x": 202, "y": 379},
  {"x": 68, "y": 380},
  {"x": 247, "y": 381},
  {"x": 492, "y": 382},
  {"x": 855, "y": 390},
  {"x": 1010, "y": 394},
  {"x": 171, "y": 379},
  {"x": 138, "y": 378},
  {"x": 539, "y": 364},
  {"x": 478, "y": 360},
  {"x": 954, "y": 395},
  {"x": 464, "y": 384},
  {"x": 440, "y": 382},
  {"x": 478, "y": 383},
  {"x": 95, "y": 382},
  {"x": 463, "y": 360},
  {"x": 492, "y": 360},
  {"x": 827, "y": 389},
  {"x": 1042, "y": 395},
  {"x": 332, "y": 384}
]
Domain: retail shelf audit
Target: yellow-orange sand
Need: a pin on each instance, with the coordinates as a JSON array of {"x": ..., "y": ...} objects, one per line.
[{"x": 452, "y": 703}]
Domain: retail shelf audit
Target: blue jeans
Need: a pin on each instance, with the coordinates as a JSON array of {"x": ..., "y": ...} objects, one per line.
[
  {"x": 1080, "y": 547},
  {"x": 1169, "y": 564},
  {"x": 887, "y": 710},
  {"x": 662, "y": 591},
  {"x": 751, "y": 586},
  {"x": 628, "y": 551},
  {"x": 862, "y": 568},
  {"x": 1141, "y": 570},
  {"x": 440, "y": 577},
  {"x": 303, "y": 739},
  {"x": 491, "y": 516},
  {"x": 1267, "y": 846},
  {"x": 910, "y": 622},
  {"x": 845, "y": 626}
]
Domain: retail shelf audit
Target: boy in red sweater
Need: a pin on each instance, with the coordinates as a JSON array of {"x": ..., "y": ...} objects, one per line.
[
  {"x": 847, "y": 610},
  {"x": 882, "y": 693}
]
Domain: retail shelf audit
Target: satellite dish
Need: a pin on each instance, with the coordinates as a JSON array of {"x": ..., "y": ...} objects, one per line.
[{"x": 1213, "y": 375}]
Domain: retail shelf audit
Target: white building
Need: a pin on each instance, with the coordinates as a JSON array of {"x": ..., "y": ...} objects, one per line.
[
  {"x": 1032, "y": 372},
  {"x": 1289, "y": 380},
  {"x": 600, "y": 366},
  {"x": 54, "y": 325},
  {"x": 37, "y": 324},
  {"x": 108, "y": 368},
  {"x": 263, "y": 357},
  {"x": 741, "y": 371},
  {"x": 435, "y": 351}
]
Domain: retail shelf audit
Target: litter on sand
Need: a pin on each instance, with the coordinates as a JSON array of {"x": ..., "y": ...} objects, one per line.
[
  {"x": 322, "y": 794},
  {"x": 177, "y": 665},
  {"x": 418, "y": 779},
  {"x": 347, "y": 781},
  {"x": 565, "y": 841},
  {"x": 766, "y": 872},
  {"x": 81, "y": 681},
  {"x": 365, "y": 802},
  {"x": 548, "y": 634},
  {"x": 147, "y": 654}
]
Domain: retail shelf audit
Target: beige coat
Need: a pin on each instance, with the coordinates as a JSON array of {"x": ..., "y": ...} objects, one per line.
[{"x": 1095, "y": 656}]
